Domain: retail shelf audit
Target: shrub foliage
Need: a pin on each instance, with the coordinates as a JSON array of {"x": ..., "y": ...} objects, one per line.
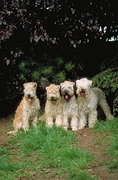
[{"x": 42, "y": 38}]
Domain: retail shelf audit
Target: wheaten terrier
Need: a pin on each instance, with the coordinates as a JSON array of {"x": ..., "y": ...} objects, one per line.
[
  {"x": 27, "y": 110},
  {"x": 88, "y": 100},
  {"x": 70, "y": 106},
  {"x": 53, "y": 107}
]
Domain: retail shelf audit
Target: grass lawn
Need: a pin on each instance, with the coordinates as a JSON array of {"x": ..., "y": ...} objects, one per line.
[
  {"x": 52, "y": 153},
  {"x": 44, "y": 152}
]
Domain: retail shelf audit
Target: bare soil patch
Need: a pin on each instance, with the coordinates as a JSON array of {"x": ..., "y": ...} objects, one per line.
[
  {"x": 93, "y": 142},
  {"x": 87, "y": 140},
  {"x": 4, "y": 124}
]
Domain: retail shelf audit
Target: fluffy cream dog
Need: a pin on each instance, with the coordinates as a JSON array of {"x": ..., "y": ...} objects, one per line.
[
  {"x": 27, "y": 110},
  {"x": 53, "y": 107},
  {"x": 88, "y": 100},
  {"x": 70, "y": 106}
]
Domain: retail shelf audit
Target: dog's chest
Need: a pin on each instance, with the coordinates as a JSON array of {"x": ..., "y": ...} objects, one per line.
[
  {"x": 53, "y": 108},
  {"x": 31, "y": 110},
  {"x": 84, "y": 103},
  {"x": 70, "y": 106}
]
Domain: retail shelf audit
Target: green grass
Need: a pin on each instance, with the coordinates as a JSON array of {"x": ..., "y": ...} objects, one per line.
[
  {"x": 44, "y": 152},
  {"x": 53, "y": 153},
  {"x": 109, "y": 131}
]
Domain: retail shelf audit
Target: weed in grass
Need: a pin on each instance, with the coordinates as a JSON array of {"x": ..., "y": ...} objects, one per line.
[
  {"x": 81, "y": 175},
  {"x": 114, "y": 165},
  {"x": 102, "y": 162},
  {"x": 57, "y": 174},
  {"x": 3, "y": 151}
]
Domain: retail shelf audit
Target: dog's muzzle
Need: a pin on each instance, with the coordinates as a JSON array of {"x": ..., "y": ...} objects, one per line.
[
  {"x": 82, "y": 92},
  {"x": 53, "y": 98},
  {"x": 29, "y": 97},
  {"x": 67, "y": 96}
]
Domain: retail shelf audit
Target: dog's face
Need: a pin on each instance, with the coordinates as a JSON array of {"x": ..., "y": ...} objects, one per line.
[
  {"x": 67, "y": 90},
  {"x": 30, "y": 91},
  {"x": 53, "y": 92},
  {"x": 83, "y": 86}
]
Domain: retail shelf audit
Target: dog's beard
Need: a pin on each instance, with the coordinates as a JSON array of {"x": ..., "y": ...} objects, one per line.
[
  {"x": 53, "y": 99},
  {"x": 67, "y": 97},
  {"x": 82, "y": 93},
  {"x": 29, "y": 98}
]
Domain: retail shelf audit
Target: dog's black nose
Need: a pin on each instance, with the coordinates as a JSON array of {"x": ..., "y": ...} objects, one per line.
[
  {"x": 65, "y": 92},
  {"x": 29, "y": 95},
  {"x": 82, "y": 90},
  {"x": 53, "y": 98}
]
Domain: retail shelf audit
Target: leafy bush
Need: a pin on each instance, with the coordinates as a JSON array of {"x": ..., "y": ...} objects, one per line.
[
  {"x": 107, "y": 80},
  {"x": 55, "y": 70}
]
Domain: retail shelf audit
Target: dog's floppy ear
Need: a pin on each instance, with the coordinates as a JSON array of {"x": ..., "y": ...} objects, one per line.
[
  {"x": 61, "y": 84},
  {"x": 75, "y": 88},
  {"x": 24, "y": 85},
  {"x": 72, "y": 83},
  {"x": 34, "y": 84},
  {"x": 47, "y": 87},
  {"x": 58, "y": 86}
]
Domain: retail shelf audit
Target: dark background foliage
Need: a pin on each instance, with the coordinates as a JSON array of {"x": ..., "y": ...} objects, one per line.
[{"x": 56, "y": 40}]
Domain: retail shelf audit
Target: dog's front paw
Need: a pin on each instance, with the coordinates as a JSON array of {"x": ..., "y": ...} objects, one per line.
[
  {"x": 25, "y": 128},
  {"x": 74, "y": 129},
  {"x": 65, "y": 128},
  {"x": 81, "y": 127},
  {"x": 34, "y": 125}
]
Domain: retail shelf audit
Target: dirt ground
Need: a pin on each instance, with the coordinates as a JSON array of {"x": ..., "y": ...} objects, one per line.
[{"x": 87, "y": 140}]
